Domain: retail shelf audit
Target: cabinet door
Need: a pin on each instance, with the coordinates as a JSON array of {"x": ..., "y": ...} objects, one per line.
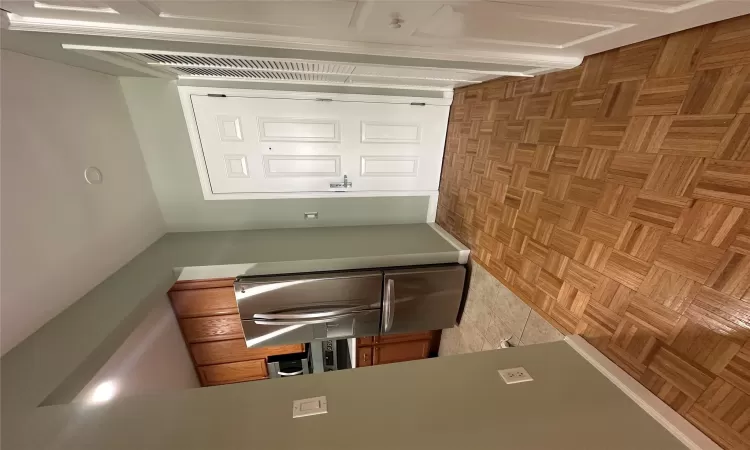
[
  {"x": 364, "y": 356},
  {"x": 233, "y": 350},
  {"x": 216, "y": 328},
  {"x": 391, "y": 338},
  {"x": 233, "y": 372},
  {"x": 203, "y": 302},
  {"x": 398, "y": 352}
]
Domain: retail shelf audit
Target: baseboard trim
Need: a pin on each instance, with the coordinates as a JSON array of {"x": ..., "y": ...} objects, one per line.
[{"x": 680, "y": 428}]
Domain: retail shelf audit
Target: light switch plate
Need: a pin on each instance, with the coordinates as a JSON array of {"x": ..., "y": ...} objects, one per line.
[
  {"x": 515, "y": 375},
  {"x": 309, "y": 407}
]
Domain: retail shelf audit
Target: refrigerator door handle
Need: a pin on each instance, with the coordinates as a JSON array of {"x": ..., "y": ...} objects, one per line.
[
  {"x": 325, "y": 313},
  {"x": 388, "y": 308},
  {"x": 279, "y": 322}
]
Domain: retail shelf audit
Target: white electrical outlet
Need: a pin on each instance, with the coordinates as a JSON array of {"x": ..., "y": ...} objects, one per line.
[
  {"x": 515, "y": 375},
  {"x": 309, "y": 407}
]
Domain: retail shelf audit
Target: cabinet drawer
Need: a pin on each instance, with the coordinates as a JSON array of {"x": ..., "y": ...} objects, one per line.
[
  {"x": 202, "y": 329},
  {"x": 364, "y": 356},
  {"x": 233, "y": 372},
  {"x": 365, "y": 341},
  {"x": 402, "y": 351},
  {"x": 206, "y": 353},
  {"x": 391, "y": 338},
  {"x": 203, "y": 302}
]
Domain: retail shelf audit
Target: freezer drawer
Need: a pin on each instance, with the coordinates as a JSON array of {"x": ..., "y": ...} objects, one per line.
[
  {"x": 280, "y": 310},
  {"x": 421, "y": 299}
]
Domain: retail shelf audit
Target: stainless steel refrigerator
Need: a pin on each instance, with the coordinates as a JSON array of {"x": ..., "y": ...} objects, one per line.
[{"x": 291, "y": 309}]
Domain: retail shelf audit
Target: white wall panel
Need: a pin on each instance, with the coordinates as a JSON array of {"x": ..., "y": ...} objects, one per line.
[
  {"x": 236, "y": 166},
  {"x": 297, "y": 130},
  {"x": 301, "y": 166},
  {"x": 390, "y": 166},
  {"x": 391, "y": 132},
  {"x": 230, "y": 128},
  {"x": 60, "y": 235}
]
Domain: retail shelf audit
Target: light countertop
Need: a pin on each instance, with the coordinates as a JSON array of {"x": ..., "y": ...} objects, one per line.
[
  {"x": 450, "y": 402},
  {"x": 55, "y": 362}
]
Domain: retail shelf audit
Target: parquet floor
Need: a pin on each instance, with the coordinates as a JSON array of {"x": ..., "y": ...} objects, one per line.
[{"x": 614, "y": 198}]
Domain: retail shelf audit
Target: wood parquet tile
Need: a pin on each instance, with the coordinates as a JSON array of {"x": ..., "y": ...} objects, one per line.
[{"x": 614, "y": 199}]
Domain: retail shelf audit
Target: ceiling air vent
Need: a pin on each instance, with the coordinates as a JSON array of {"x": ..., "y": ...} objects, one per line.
[
  {"x": 259, "y": 75},
  {"x": 271, "y": 65}
]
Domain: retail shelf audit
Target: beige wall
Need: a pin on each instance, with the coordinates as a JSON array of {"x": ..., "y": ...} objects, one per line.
[
  {"x": 158, "y": 120},
  {"x": 61, "y": 236},
  {"x": 153, "y": 359}
]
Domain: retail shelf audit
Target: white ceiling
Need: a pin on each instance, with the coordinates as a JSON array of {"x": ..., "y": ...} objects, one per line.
[{"x": 492, "y": 38}]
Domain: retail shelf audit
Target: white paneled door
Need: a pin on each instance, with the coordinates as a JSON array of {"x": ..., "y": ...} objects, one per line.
[{"x": 267, "y": 145}]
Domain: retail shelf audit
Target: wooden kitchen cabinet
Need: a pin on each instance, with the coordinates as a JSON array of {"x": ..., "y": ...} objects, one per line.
[
  {"x": 233, "y": 372},
  {"x": 364, "y": 356},
  {"x": 388, "y": 349},
  {"x": 401, "y": 351},
  {"x": 234, "y": 350},
  {"x": 212, "y": 329},
  {"x": 393, "y": 338},
  {"x": 366, "y": 340},
  {"x": 204, "y": 302}
]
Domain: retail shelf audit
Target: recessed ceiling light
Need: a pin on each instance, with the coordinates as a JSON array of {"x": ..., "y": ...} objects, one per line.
[{"x": 98, "y": 9}]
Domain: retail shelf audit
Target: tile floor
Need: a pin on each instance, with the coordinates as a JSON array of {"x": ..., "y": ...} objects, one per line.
[{"x": 493, "y": 313}]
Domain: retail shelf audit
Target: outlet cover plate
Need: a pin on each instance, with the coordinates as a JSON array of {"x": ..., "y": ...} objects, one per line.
[
  {"x": 515, "y": 375},
  {"x": 309, "y": 407}
]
